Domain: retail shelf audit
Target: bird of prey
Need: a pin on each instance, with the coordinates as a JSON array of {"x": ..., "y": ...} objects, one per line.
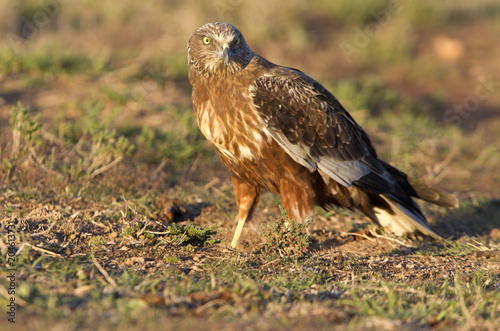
[{"x": 277, "y": 129}]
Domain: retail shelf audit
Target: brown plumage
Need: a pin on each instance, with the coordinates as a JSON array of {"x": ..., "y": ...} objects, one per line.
[{"x": 277, "y": 129}]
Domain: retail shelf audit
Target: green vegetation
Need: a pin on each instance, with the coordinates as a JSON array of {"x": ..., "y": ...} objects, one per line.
[
  {"x": 96, "y": 241},
  {"x": 51, "y": 61},
  {"x": 171, "y": 259},
  {"x": 97, "y": 150},
  {"x": 175, "y": 234},
  {"x": 191, "y": 235},
  {"x": 284, "y": 237}
]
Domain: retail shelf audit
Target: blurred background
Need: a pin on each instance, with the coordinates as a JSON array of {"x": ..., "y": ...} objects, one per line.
[{"x": 422, "y": 78}]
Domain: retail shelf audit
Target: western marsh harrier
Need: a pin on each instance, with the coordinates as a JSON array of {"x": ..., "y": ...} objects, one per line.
[{"x": 277, "y": 129}]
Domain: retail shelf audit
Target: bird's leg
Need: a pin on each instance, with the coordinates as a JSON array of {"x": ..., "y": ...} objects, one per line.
[
  {"x": 247, "y": 199},
  {"x": 297, "y": 199}
]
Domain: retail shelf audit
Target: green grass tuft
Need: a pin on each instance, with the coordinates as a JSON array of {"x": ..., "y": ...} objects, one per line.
[{"x": 284, "y": 237}]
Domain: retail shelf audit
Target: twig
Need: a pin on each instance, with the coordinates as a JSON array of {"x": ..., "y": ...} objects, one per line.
[
  {"x": 49, "y": 136},
  {"x": 357, "y": 234},
  {"x": 150, "y": 214},
  {"x": 99, "y": 224},
  {"x": 144, "y": 228},
  {"x": 156, "y": 232},
  {"x": 106, "y": 167},
  {"x": 74, "y": 215},
  {"x": 77, "y": 146},
  {"x": 211, "y": 183},
  {"x": 210, "y": 304},
  {"x": 375, "y": 235},
  {"x": 110, "y": 280},
  {"x": 270, "y": 262},
  {"x": 389, "y": 238},
  {"x": 158, "y": 169},
  {"x": 42, "y": 250},
  {"x": 35, "y": 156}
]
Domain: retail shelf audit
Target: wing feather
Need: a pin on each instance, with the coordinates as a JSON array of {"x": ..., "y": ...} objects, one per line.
[{"x": 311, "y": 125}]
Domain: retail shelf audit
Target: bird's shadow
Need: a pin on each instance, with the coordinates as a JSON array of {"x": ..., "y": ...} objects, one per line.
[
  {"x": 173, "y": 211},
  {"x": 471, "y": 219},
  {"x": 333, "y": 238},
  {"x": 193, "y": 210}
]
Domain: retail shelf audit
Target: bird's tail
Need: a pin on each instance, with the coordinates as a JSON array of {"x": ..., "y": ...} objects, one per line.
[
  {"x": 431, "y": 194},
  {"x": 418, "y": 189},
  {"x": 401, "y": 214},
  {"x": 400, "y": 218},
  {"x": 396, "y": 211}
]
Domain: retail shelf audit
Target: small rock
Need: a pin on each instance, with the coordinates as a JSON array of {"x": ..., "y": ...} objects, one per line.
[
  {"x": 495, "y": 234},
  {"x": 448, "y": 49},
  {"x": 170, "y": 209}
]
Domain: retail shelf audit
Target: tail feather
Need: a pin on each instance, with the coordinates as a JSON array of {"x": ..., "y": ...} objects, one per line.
[
  {"x": 432, "y": 194},
  {"x": 400, "y": 219},
  {"x": 395, "y": 210},
  {"x": 418, "y": 189}
]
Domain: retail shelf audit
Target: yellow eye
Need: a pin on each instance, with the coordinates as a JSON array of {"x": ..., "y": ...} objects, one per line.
[
  {"x": 238, "y": 41},
  {"x": 206, "y": 40}
]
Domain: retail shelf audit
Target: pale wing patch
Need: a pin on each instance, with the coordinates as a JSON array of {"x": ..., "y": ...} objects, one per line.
[
  {"x": 257, "y": 137},
  {"x": 296, "y": 152},
  {"x": 343, "y": 172},
  {"x": 246, "y": 152}
]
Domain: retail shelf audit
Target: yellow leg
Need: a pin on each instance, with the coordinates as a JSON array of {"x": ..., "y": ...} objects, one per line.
[
  {"x": 237, "y": 233},
  {"x": 247, "y": 198}
]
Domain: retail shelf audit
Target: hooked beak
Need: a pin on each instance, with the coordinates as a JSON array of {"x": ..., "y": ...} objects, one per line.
[{"x": 226, "y": 53}]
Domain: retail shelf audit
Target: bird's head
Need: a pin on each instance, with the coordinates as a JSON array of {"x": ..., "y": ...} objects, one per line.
[{"x": 218, "y": 47}]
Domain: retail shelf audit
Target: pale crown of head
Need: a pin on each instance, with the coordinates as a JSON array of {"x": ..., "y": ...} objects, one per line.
[{"x": 218, "y": 48}]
